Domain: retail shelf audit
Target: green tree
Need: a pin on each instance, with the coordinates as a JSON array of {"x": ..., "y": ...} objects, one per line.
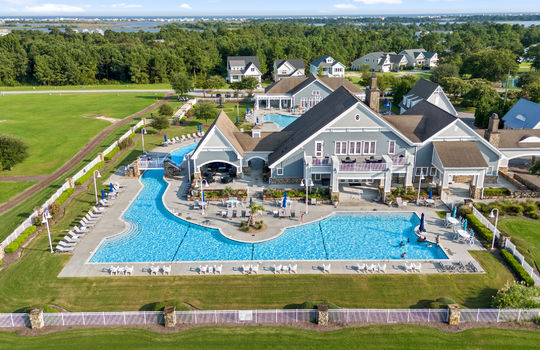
[
  {"x": 527, "y": 78},
  {"x": 160, "y": 123},
  {"x": 166, "y": 110},
  {"x": 12, "y": 151},
  {"x": 479, "y": 88},
  {"x": 181, "y": 83},
  {"x": 532, "y": 92},
  {"x": 455, "y": 86},
  {"x": 535, "y": 168},
  {"x": 215, "y": 82},
  {"x": 402, "y": 86},
  {"x": 491, "y": 64},
  {"x": 250, "y": 84},
  {"x": 445, "y": 70},
  {"x": 205, "y": 111}
]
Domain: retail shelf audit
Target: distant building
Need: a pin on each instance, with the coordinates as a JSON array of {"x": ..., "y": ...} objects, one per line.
[
  {"x": 420, "y": 57},
  {"x": 428, "y": 91},
  {"x": 288, "y": 68},
  {"x": 240, "y": 67},
  {"x": 4, "y": 32},
  {"x": 327, "y": 66},
  {"x": 380, "y": 61},
  {"x": 523, "y": 115}
]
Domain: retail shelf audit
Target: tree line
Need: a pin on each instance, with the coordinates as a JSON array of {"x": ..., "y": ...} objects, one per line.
[{"x": 69, "y": 58}]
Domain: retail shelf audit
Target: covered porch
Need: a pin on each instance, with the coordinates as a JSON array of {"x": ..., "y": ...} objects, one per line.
[{"x": 264, "y": 101}]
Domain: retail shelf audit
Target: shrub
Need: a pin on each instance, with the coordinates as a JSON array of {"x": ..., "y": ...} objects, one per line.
[
  {"x": 111, "y": 154},
  {"x": 166, "y": 110},
  {"x": 54, "y": 209},
  {"x": 516, "y": 296},
  {"x": 516, "y": 266},
  {"x": 479, "y": 228},
  {"x": 13, "y": 246},
  {"x": 160, "y": 122},
  {"x": 441, "y": 303},
  {"x": 36, "y": 220},
  {"x": 64, "y": 196},
  {"x": 126, "y": 143},
  {"x": 12, "y": 151},
  {"x": 1, "y": 262},
  {"x": 496, "y": 192},
  {"x": 88, "y": 174}
]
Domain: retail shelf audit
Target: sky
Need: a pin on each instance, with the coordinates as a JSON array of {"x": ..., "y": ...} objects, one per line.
[{"x": 256, "y": 7}]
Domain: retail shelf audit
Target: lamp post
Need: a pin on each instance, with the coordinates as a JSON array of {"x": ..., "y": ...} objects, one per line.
[
  {"x": 95, "y": 184},
  {"x": 45, "y": 219},
  {"x": 143, "y": 131},
  {"x": 419, "y": 185},
  {"x": 203, "y": 183},
  {"x": 306, "y": 182},
  {"x": 492, "y": 215}
]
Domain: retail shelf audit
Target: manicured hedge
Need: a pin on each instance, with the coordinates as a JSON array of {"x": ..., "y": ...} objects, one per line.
[
  {"x": 496, "y": 192},
  {"x": 111, "y": 154},
  {"x": 479, "y": 228},
  {"x": 89, "y": 174},
  {"x": 516, "y": 266},
  {"x": 13, "y": 246},
  {"x": 64, "y": 196}
]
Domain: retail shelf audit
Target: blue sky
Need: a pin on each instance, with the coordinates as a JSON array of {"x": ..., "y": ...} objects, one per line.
[{"x": 256, "y": 7}]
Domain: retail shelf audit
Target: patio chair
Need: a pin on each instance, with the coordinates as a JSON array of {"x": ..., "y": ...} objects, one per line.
[
  {"x": 210, "y": 270},
  {"x": 194, "y": 135},
  {"x": 285, "y": 268},
  {"x": 98, "y": 210},
  {"x": 154, "y": 270},
  {"x": 167, "y": 270},
  {"x": 113, "y": 270},
  {"x": 326, "y": 268},
  {"x": 188, "y": 136},
  {"x": 121, "y": 270},
  {"x": 74, "y": 235},
  {"x": 400, "y": 202},
  {"x": 128, "y": 270},
  {"x": 417, "y": 267},
  {"x": 66, "y": 244},
  {"x": 293, "y": 268},
  {"x": 381, "y": 268},
  {"x": 60, "y": 249},
  {"x": 71, "y": 239},
  {"x": 277, "y": 269},
  {"x": 370, "y": 268},
  {"x": 313, "y": 201},
  {"x": 218, "y": 269},
  {"x": 255, "y": 269},
  {"x": 246, "y": 269},
  {"x": 82, "y": 230},
  {"x": 360, "y": 268}
]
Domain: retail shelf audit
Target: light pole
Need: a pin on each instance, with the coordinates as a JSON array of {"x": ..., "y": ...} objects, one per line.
[
  {"x": 143, "y": 131},
  {"x": 203, "y": 183},
  {"x": 306, "y": 182},
  {"x": 45, "y": 219},
  {"x": 95, "y": 184},
  {"x": 419, "y": 185},
  {"x": 492, "y": 215}
]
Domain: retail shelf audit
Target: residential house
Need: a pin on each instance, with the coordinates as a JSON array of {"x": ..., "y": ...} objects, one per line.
[
  {"x": 420, "y": 58},
  {"x": 302, "y": 92},
  {"x": 288, "y": 68},
  {"x": 240, "y": 67},
  {"x": 327, "y": 66},
  {"x": 342, "y": 141},
  {"x": 380, "y": 61},
  {"x": 524, "y": 114},
  {"x": 425, "y": 90}
]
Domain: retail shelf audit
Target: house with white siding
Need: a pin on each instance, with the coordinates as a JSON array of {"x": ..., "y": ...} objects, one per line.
[
  {"x": 425, "y": 90},
  {"x": 288, "y": 68},
  {"x": 327, "y": 66},
  {"x": 240, "y": 67}
]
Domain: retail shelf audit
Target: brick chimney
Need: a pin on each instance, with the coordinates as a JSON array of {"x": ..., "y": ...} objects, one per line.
[
  {"x": 372, "y": 93},
  {"x": 492, "y": 134}
]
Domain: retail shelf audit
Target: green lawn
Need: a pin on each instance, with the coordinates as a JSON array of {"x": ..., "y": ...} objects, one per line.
[
  {"x": 259, "y": 337},
  {"x": 53, "y": 125},
  {"x": 525, "y": 234},
  {"x": 88, "y": 87},
  {"x": 9, "y": 189}
]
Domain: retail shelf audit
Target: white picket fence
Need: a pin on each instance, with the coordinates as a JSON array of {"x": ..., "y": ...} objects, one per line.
[
  {"x": 511, "y": 247},
  {"x": 28, "y": 222},
  {"x": 277, "y": 316},
  {"x": 182, "y": 111}
]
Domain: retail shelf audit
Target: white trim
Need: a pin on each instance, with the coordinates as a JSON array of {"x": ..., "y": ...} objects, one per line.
[
  {"x": 355, "y": 143},
  {"x": 341, "y": 153},
  {"x": 221, "y": 161},
  {"x": 316, "y": 79},
  {"x": 317, "y": 154},
  {"x": 279, "y": 171},
  {"x": 369, "y": 142},
  {"x": 207, "y": 136}
]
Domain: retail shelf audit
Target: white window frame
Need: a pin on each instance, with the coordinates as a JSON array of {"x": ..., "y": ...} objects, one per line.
[
  {"x": 339, "y": 150},
  {"x": 390, "y": 144},
  {"x": 317, "y": 152},
  {"x": 433, "y": 171},
  {"x": 424, "y": 170},
  {"x": 354, "y": 144},
  {"x": 279, "y": 171},
  {"x": 370, "y": 150},
  {"x": 317, "y": 176},
  {"x": 316, "y": 92}
]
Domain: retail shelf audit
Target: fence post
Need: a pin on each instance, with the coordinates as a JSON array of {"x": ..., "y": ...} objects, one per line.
[
  {"x": 519, "y": 315},
  {"x": 276, "y": 316},
  {"x": 454, "y": 314},
  {"x": 144, "y": 317},
  {"x": 103, "y": 317},
  {"x": 12, "y": 323},
  {"x": 477, "y": 315},
  {"x": 84, "y": 324},
  {"x": 62, "y": 316},
  {"x": 428, "y": 314},
  {"x": 124, "y": 317},
  {"x": 388, "y": 316},
  {"x": 296, "y": 315},
  {"x": 408, "y": 316},
  {"x": 347, "y": 316},
  {"x": 215, "y": 316},
  {"x": 367, "y": 318},
  {"x": 195, "y": 317}
]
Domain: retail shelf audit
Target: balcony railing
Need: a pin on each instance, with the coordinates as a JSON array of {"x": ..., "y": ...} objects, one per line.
[
  {"x": 399, "y": 160},
  {"x": 353, "y": 167},
  {"x": 320, "y": 161}
]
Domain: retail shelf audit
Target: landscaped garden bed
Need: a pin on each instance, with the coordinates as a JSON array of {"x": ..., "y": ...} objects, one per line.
[{"x": 319, "y": 193}]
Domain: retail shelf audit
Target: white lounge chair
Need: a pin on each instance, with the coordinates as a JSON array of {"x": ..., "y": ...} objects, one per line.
[
  {"x": 87, "y": 223},
  {"x": 246, "y": 269},
  {"x": 154, "y": 270},
  {"x": 409, "y": 268},
  {"x": 113, "y": 270},
  {"x": 98, "y": 210},
  {"x": 129, "y": 270},
  {"x": 194, "y": 135},
  {"x": 218, "y": 269},
  {"x": 285, "y": 268},
  {"x": 361, "y": 267},
  {"x": 277, "y": 269},
  {"x": 66, "y": 244},
  {"x": 293, "y": 268},
  {"x": 183, "y": 138},
  {"x": 255, "y": 269},
  {"x": 121, "y": 270},
  {"x": 326, "y": 268},
  {"x": 381, "y": 268},
  {"x": 167, "y": 270},
  {"x": 60, "y": 249},
  {"x": 104, "y": 203},
  {"x": 80, "y": 230},
  {"x": 75, "y": 235},
  {"x": 70, "y": 239},
  {"x": 400, "y": 202},
  {"x": 416, "y": 267},
  {"x": 188, "y": 136},
  {"x": 370, "y": 268}
]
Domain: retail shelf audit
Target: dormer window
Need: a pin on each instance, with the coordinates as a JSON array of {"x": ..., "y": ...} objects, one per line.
[{"x": 316, "y": 92}]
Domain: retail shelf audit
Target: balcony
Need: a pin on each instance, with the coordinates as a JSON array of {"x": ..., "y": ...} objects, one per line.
[
  {"x": 320, "y": 161},
  {"x": 361, "y": 167}
]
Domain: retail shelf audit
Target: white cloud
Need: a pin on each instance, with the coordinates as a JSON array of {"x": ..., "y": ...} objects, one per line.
[
  {"x": 345, "y": 6},
  {"x": 185, "y": 6},
  {"x": 123, "y": 5},
  {"x": 374, "y": 2},
  {"x": 54, "y": 8},
  {"x": 21, "y": 2}
]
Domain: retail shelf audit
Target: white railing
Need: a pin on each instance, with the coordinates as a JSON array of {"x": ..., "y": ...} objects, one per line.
[
  {"x": 353, "y": 167},
  {"x": 151, "y": 164},
  {"x": 511, "y": 247},
  {"x": 185, "y": 108},
  {"x": 277, "y": 316},
  {"x": 28, "y": 222},
  {"x": 449, "y": 202}
]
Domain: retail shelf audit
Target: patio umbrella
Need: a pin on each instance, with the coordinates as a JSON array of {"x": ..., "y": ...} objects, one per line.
[
  {"x": 247, "y": 109},
  {"x": 165, "y": 137},
  {"x": 111, "y": 188},
  {"x": 454, "y": 212},
  {"x": 250, "y": 201},
  {"x": 430, "y": 193},
  {"x": 257, "y": 122},
  {"x": 203, "y": 197},
  {"x": 102, "y": 194},
  {"x": 422, "y": 228},
  {"x": 236, "y": 119},
  {"x": 285, "y": 199},
  {"x": 465, "y": 225}
]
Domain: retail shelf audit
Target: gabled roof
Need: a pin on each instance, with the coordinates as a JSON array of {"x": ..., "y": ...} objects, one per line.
[
  {"x": 519, "y": 138},
  {"x": 268, "y": 141},
  {"x": 524, "y": 114},
  {"x": 314, "y": 120},
  {"x": 421, "y": 121},
  {"x": 227, "y": 128},
  {"x": 294, "y": 84},
  {"x": 394, "y": 58},
  {"x": 423, "y": 88},
  {"x": 316, "y": 62},
  {"x": 243, "y": 61},
  {"x": 297, "y": 63},
  {"x": 460, "y": 154},
  {"x": 428, "y": 54},
  {"x": 413, "y": 52}
]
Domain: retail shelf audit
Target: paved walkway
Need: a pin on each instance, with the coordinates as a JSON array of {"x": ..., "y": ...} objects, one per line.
[
  {"x": 76, "y": 159},
  {"x": 111, "y": 224}
]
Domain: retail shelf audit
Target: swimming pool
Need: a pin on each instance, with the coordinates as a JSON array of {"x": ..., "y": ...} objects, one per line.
[
  {"x": 156, "y": 235},
  {"x": 177, "y": 156},
  {"x": 280, "y": 119}
]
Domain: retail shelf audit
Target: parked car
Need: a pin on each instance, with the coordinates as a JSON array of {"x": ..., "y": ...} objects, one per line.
[
  {"x": 227, "y": 95},
  {"x": 394, "y": 71},
  {"x": 426, "y": 67}
]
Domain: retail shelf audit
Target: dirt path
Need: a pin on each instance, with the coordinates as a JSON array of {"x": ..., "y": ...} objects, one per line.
[{"x": 76, "y": 159}]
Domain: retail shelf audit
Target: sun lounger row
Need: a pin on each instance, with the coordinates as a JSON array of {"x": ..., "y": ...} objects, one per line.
[
  {"x": 412, "y": 267},
  {"x": 285, "y": 268},
  {"x": 458, "y": 267},
  {"x": 69, "y": 241},
  {"x": 378, "y": 268},
  {"x": 165, "y": 270},
  {"x": 121, "y": 270},
  {"x": 183, "y": 138},
  {"x": 209, "y": 269},
  {"x": 250, "y": 269}
]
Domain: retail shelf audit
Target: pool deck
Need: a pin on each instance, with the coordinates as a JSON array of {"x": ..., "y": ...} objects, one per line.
[{"x": 111, "y": 224}]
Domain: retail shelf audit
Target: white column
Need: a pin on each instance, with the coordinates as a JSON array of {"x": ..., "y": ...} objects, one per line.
[
  {"x": 387, "y": 181},
  {"x": 444, "y": 182},
  {"x": 480, "y": 179}
]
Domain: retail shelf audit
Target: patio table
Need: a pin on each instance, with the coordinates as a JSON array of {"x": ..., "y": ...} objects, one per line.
[{"x": 453, "y": 221}]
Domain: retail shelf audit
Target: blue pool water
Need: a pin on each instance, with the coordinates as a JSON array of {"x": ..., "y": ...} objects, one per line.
[
  {"x": 282, "y": 120},
  {"x": 178, "y": 155}
]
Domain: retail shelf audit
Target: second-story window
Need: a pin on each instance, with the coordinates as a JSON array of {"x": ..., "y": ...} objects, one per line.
[
  {"x": 318, "y": 149},
  {"x": 369, "y": 147},
  {"x": 355, "y": 147},
  {"x": 253, "y": 69},
  {"x": 341, "y": 147},
  {"x": 392, "y": 147}
]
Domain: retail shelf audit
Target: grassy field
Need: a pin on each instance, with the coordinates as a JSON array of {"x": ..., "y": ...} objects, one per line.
[
  {"x": 9, "y": 189},
  {"x": 87, "y": 87},
  {"x": 371, "y": 337},
  {"x": 53, "y": 125},
  {"x": 525, "y": 234}
]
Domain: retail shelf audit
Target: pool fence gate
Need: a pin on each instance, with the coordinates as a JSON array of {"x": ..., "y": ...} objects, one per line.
[{"x": 38, "y": 319}]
